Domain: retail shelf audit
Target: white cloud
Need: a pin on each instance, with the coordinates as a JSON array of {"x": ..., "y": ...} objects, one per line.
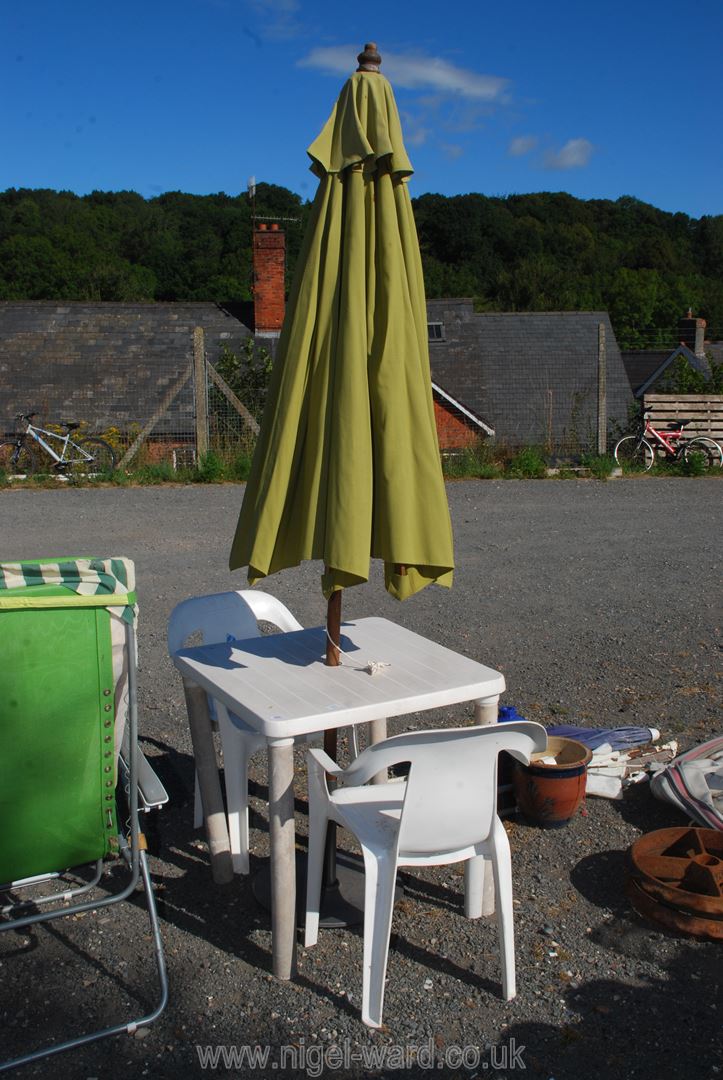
[
  {"x": 417, "y": 136},
  {"x": 523, "y": 144},
  {"x": 451, "y": 150},
  {"x": 277, "y": 18},
  {"x": 413, "y": 72},
  {"x": 575, "y": 154}
]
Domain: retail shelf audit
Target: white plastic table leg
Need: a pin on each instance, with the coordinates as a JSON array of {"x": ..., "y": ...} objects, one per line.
[
  {"x": 377, "y": 734},
  {"x": 486, "y": 711},
  {"x": 283, "y": 863}
]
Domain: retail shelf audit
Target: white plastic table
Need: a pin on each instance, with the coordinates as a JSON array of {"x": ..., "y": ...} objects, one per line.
[{"x": 280, "y": 685}]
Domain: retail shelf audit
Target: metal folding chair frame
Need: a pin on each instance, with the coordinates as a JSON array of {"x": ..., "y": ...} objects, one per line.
[{"x": 135, "y": 855}]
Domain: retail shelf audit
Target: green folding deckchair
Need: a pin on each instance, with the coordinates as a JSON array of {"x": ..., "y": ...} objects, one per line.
[{"x": 70, "y": 766}]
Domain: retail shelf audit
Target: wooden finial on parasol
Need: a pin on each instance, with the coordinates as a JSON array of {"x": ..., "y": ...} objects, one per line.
[{"x": 369, "y": 59}]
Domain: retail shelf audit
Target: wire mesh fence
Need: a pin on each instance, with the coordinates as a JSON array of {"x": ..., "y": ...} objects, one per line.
[{"x": 169, "y": 384}]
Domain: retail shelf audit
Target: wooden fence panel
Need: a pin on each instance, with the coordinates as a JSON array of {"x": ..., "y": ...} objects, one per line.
[{"x": 704, "y": 410}]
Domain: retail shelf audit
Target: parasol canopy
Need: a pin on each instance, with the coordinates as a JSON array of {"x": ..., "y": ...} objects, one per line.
[{"x": 347, "y": 464}]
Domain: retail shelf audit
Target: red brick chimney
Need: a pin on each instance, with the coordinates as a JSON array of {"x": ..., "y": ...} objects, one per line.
[
  {"x": 692, "y": 333},
  {"x": 269, "y": 265}
]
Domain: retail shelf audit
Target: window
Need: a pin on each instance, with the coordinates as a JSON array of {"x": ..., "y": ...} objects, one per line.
[{"x": 435, "y": 331}]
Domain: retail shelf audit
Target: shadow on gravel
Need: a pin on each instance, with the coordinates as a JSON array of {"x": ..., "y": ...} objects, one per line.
[
  {"x": 592, "y": 875},
  {"x": 639, "y": 807},
  {"x": 657, "y": 1030}
]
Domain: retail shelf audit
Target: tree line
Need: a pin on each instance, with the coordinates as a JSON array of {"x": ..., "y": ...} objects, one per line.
[{"x": 537, "y": 252}]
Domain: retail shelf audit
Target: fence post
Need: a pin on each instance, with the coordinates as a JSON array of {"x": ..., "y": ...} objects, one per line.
[
  {"x": 200, "y": 392},
  {"x": 602, "y": 410}
]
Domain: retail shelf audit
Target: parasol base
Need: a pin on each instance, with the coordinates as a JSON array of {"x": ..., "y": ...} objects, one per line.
[{"x": 342, "y": 904}]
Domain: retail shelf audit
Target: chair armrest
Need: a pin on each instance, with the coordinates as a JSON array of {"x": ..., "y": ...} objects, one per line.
[
  {"x": 151, "y": 790},
  {"x": 320, "y": 761}
]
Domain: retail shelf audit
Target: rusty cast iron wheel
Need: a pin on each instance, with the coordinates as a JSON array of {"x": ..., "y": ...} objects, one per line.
[{"x": 676, "y": 878}]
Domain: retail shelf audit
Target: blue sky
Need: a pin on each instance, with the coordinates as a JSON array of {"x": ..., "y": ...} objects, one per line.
[{"x": 616, "y": 98}]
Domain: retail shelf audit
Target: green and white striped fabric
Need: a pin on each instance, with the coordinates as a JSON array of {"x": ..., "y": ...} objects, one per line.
[{"x": 107, "y": 583}]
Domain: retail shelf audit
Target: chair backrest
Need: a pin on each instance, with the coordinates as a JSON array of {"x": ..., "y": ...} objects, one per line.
[
  {"x": 58, "y": 710},
  {"x": 220, "y": 616},
  {"x": 451, "y": 795}
]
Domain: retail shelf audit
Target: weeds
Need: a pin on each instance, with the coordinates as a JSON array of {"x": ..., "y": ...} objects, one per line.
[
  {"x": 478, "y": 462},
  {"x": 161, "y": 472},
  {"x": 599, "y": 465},
  {"x": 210, "y": 470},
  {"x": 527, "y": 464},
  {"x": 485, "y": 461}
]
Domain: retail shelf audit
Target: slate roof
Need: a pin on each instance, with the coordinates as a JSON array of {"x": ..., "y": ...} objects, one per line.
[
  {"x": 646, "y": 367},
  {"x": 110, "y": 364},
  {"x": 532, "y": 376},
  {"x": 643, "y": 363}
]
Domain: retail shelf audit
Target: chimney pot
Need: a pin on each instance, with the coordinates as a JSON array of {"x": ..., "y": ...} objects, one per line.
[
  {"x": 262, "y": 226},
  {"x": 275, "y": 227}
]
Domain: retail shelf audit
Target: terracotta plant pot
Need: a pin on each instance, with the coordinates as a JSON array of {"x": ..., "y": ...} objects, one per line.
[{"x": 549, "y": 795}]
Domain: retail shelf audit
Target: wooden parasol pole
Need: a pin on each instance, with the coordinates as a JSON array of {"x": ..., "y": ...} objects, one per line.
[
  {"x": 333, "y": 628},
  {"x": 333, "y": 640}
]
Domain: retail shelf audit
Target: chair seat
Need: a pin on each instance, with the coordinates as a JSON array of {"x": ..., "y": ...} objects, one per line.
[
  {"x": 375, "y": 812},
  {"x": 372, "y": 812}
]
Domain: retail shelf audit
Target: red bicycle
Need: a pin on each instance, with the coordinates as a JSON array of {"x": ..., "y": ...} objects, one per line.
[{"x": 639, "y": 451}]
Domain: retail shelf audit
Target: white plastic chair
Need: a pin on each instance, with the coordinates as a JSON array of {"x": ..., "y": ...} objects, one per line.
[
  {"x": 210, "y": 620},
  {"x": 444, "y": 812}
]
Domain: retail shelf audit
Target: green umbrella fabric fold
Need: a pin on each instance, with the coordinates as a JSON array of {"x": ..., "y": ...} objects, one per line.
[
  {"x": 347, "y": 463},
  {"x": 363, "y": 128}
]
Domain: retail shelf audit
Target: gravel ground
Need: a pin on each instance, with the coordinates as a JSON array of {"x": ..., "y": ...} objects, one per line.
[{"x": 599, "y": 603}]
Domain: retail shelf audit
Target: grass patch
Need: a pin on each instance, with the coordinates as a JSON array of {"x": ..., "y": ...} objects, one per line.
[
  {"x": 162, "y": 472},
  {"x": 474, "y": 462},
  {"x": 485, "y": 461},
  {"x": 527, "y": 464},
  {"x": 599, "y": 465},
  {"x": 211, "y": 469},
  {"x": 239, "y": 467}
]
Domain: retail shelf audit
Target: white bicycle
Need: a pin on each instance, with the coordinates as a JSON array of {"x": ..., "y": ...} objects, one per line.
[{"x": 89, "y": 455}]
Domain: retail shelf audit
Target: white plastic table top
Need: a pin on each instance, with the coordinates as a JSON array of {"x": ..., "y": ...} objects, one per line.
[{"x": 279, "y": 684}]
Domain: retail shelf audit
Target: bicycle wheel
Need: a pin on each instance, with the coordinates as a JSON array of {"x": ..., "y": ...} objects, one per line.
[
  {"x": 706, "y": 451},
  {"x": 17, "y": 460},
  {"x": 102, "y": 460},
  {"x": 634, "y": 453}
]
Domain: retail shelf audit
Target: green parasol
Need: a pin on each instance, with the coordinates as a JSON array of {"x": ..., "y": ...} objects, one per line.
[{"x": 347, "y": 464}]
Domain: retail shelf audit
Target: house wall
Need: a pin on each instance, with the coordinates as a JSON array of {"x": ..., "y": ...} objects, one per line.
[{"x": 452, "y": 431}]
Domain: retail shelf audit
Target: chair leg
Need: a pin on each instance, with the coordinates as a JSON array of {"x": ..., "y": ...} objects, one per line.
[
  {"x": 380, "y": 873},
  {"x": 474, "y": 877},
  {"x": 235, "y": 771},
  {"x": 197, "y": 804},
  {"x": 502, "y": 863},
  {"x": 237, "y": 797},
  {"x": 318, "y": 822}
]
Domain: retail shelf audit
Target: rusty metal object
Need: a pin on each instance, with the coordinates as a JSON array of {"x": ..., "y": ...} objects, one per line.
[{"x": 676, "y": 878}]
